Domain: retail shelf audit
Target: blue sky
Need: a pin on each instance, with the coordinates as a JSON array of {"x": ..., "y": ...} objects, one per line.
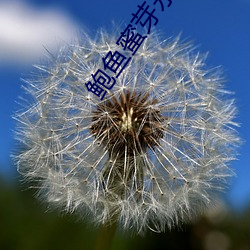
[{"x": 220, "y": 27}]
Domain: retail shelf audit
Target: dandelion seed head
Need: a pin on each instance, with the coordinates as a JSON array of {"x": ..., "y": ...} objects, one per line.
[{"x": 152, "y": 153}]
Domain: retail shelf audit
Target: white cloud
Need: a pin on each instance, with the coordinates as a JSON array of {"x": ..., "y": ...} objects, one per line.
[{"x": 25, "y": 31}]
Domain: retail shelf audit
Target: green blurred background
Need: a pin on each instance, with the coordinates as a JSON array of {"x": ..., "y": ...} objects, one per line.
[{"x": 27, "y": 225}]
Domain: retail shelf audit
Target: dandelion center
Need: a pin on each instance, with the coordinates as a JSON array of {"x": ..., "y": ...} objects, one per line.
[{"x": 131, "y": 121}]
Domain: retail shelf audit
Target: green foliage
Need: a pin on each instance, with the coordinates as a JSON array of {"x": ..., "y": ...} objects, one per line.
[{"x": 25, "y": 225}]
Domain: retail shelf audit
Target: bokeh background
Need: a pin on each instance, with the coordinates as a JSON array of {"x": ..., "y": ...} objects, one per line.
[{"x": 29, "y": 28}]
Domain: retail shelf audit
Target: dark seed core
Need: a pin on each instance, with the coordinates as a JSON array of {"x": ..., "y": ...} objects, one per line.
[{"x": 128, "y": 124}]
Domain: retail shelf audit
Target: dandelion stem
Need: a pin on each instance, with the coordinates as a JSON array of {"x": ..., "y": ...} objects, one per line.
[{"x": 105, "y": 236}]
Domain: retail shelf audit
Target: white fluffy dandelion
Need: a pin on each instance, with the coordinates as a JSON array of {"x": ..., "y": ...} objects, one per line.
[{"x": 150, "y": 154}]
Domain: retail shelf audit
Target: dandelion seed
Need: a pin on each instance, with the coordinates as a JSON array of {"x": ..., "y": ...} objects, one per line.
[{"x": 151, "y": 154}]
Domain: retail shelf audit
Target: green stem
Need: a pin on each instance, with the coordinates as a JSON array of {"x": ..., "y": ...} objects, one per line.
[{"x": 105, "y": 236}]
